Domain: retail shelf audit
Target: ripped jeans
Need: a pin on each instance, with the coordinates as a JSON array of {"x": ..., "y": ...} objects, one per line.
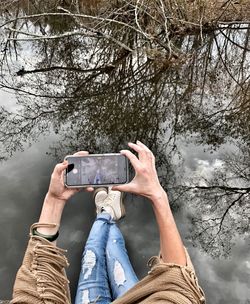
[{"x": 106, "y": 272}]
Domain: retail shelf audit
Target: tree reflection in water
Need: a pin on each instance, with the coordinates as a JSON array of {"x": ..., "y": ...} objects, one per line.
[{"x": 99, "y": 84}]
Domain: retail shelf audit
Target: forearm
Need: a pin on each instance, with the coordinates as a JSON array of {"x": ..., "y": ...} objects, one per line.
[
  {"x": 51, "y": 213},
  {"x": 172, "y": 248}
]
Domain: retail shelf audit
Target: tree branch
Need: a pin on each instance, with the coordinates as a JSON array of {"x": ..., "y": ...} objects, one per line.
[{"x": 226, "y": 188}]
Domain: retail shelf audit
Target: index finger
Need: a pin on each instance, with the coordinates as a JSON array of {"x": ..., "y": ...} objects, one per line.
[{"x": 133, "y": 159}]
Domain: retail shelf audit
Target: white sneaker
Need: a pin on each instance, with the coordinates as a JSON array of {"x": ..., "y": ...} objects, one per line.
[
  {"x": 112, "y": 203},
  {"x": 100, "y": 194}
]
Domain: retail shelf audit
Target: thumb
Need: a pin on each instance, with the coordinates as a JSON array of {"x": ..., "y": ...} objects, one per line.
[
  {"x": 122, "y": 188},
  {"x": 60, "y": 167}
]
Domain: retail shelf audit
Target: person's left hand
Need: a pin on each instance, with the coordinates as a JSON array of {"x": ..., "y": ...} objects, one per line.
[
  {"x": 146, "y": 181},
  {"x": 57, "y": 189}
]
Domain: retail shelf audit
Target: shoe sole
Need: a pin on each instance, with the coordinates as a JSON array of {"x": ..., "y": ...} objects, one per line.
[
  {"x": 98, "y": 190},
  {"x": 123, "y": 212}
]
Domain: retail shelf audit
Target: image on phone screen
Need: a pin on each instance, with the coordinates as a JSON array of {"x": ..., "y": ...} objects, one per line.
[{"x": 97, "y": 170}]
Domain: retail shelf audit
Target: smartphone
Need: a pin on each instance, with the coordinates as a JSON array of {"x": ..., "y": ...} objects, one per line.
[{"x": 96, "y": 170}]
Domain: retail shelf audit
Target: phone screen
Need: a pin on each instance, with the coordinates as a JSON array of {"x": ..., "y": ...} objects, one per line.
[{"x": 103, "y": 169}]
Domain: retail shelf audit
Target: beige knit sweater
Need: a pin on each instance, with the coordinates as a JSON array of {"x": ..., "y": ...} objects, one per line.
[{"x": 41, "y": 279}]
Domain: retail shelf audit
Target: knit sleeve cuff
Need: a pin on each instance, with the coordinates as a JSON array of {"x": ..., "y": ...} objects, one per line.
[
  {"x": 41, "y": 277},
  {"x": 176, "y": 273},
  {"x": 154, "y": 260}
]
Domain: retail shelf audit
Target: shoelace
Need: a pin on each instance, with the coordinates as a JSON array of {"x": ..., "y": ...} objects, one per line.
[{"x": 111, "y": 196}]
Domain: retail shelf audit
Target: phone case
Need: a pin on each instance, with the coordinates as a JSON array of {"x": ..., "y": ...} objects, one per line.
[{"x": 95, "y": 185}]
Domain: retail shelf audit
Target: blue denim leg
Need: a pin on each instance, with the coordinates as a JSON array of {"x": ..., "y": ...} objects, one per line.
[
  {"x": 93, "y": 285},
  {"x": 120, "y": 271}
]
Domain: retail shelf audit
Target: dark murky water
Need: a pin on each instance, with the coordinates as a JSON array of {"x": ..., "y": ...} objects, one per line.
[{"x": 60, "y": 96}]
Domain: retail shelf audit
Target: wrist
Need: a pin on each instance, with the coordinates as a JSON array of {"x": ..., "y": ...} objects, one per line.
[
  {"x": 159, "y": 197},
  {"x": 51, "y": 213},
  {"x": 53, "y": 208},
  {"x": 50, "y": 199}
]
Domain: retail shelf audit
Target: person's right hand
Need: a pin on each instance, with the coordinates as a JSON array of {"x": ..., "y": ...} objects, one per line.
[
  {"x": 57, "y": 189},
  {"x": 145, "y": 182}
]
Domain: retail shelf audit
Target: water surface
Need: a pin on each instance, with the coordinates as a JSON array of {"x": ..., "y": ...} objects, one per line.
[{"x": 74, "y": 93}]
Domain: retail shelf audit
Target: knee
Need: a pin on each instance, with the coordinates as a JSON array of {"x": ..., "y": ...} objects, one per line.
[{"x": 119, "y": 274}]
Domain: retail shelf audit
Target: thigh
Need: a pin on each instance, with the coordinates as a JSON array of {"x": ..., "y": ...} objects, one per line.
[
  {"x": 93, "y": 285},
  {"x": 120, "y": 271}
]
